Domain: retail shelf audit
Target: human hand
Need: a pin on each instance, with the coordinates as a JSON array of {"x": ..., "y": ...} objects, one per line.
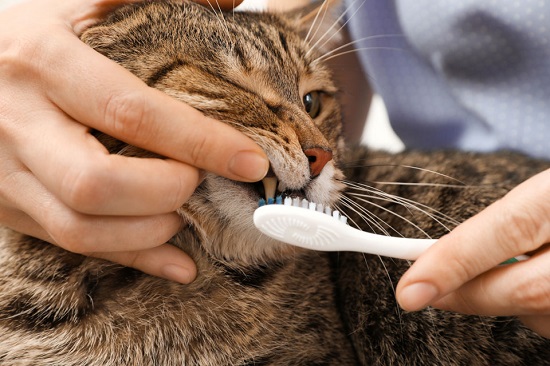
[
  {"x": 59, "y": 184},
  {"x": 461, "y": 271}
]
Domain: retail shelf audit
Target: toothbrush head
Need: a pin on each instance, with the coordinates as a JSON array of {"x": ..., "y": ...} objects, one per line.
[{"x": 301, "y": 223}]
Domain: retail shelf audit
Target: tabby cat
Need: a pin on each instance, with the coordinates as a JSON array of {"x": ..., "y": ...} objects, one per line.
[{"x": 257, "y": 301}]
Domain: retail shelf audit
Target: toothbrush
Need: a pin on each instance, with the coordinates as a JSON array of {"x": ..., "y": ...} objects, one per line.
[{"x": 311, "y": 226}]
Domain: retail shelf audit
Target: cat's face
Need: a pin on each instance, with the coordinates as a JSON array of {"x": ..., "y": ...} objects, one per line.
[{"x": 254, "y": 72}]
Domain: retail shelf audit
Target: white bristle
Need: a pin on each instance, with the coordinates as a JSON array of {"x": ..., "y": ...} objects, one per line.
[{"x": 319, "y": 207}]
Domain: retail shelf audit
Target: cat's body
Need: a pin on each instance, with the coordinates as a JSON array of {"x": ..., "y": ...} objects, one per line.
[{"x": 255, "y": 301}]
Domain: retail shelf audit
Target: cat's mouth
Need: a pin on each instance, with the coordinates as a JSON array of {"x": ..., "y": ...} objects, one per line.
[{"x": 268, "y": 189}]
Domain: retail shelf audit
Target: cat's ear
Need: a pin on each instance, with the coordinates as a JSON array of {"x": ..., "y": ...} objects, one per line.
[{"x": 321, "y": 23}]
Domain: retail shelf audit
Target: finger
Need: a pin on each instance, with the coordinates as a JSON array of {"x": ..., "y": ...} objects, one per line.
[
  {"x": 23, "y": 223},
  {"x": 81, "y": 233},
  {"x": 131, "y": 111},
  {"x": 518, "y": 289},
  {"x": 509, "y": 227},
  {"x": 86, "y": 178},
  {"x": 540, "y": 324},
  {"x": 165, "y": 261}
]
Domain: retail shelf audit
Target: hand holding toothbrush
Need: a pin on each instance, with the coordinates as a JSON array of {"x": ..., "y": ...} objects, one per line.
[{"x": 461, "y": 273}]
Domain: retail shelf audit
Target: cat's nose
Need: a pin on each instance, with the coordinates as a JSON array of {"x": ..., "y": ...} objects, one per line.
[{"x": 318, "y": 158}]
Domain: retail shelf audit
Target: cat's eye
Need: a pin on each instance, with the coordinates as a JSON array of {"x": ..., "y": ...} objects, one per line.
[{"x": 312, "y": 103}]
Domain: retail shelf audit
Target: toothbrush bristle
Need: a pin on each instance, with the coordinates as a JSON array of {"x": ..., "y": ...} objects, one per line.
[{"x": 304, "y": 203}]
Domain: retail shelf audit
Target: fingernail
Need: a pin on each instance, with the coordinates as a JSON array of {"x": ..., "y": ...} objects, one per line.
[
  {"x": 249, "y": 165},
  {"x": 417, "y": 296},
  {"x": 177, "y": 273}
]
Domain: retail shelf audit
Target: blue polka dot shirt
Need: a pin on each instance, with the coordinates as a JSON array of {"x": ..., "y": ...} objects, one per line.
[{"x": 468, "y": 74}]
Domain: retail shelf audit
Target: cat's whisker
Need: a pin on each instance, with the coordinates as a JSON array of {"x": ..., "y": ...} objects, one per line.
[
  {"x": 399, "y": 311},
  {"x": 384, "y": 227},
  {"x": 372, "y": 218},
  {"x": 408, "y": 206},
  {"x": 350, "y": 44},
  {"x": 329, "y": 30},
  {"x": 364, "y": 199},
  {"x": 421, "y": 184},
  {"x": 323, "y": 8},
  {"x": 435, "y": 215},
  {"x": 404, "y": 201},
  {"x": 219, "y": 14},
  {"x": 368, "y": 217},
  {"x": 364, "y": 216},
  {"x": 415, "y": 168},
  {"x": 360, "y": 49},
  {"x": 123, "y": 150}
]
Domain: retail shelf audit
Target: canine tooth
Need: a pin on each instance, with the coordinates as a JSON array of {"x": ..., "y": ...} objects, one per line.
[{"x": 270, "y": 187}]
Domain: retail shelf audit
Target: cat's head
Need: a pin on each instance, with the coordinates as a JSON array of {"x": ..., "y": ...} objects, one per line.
[{"x": 258, "y": 74}]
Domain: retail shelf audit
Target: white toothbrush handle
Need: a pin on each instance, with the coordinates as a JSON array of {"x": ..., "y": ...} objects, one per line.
[
  {"x": 389, "y": 246},
  {"x": 318, "y": 231}
]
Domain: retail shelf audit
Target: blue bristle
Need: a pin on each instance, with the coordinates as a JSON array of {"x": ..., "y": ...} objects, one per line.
[
  {"x": 270, "y": 201},
  {"x": 279, "y": 200},
  {"x": 261, "y": 202}
]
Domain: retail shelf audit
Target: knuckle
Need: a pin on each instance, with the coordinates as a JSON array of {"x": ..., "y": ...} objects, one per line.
[
  {"x": 85, "y": 189},
  {"x": 456, "y": 270},
  {"x": 199, "y": 149},
  {"x": 127, "y": 116},
  {"x": 27, "y": 55},
  {"x": 70, "y": 233},
  {"x": 533, "y": 295},
  {"x": 520, "y": 228},
  {"x": 462, "y": 272},
  {"x": 8, "y": 218}
]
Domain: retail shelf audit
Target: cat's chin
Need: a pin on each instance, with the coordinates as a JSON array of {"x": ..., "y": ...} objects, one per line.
[{"x": 236, "y": 241}]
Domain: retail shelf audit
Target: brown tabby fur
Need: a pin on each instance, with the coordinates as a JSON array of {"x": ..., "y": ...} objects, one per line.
[{"x": 255, "y": 301}]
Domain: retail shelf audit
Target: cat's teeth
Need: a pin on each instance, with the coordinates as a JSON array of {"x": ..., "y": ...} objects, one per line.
[{"x": 270, "y": 187}]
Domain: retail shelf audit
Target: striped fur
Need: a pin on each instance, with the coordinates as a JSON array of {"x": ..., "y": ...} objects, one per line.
[{"x": 255, "y": 301}]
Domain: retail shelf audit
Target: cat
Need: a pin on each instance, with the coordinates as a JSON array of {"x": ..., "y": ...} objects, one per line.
[{"x": 257, "y": 301}]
